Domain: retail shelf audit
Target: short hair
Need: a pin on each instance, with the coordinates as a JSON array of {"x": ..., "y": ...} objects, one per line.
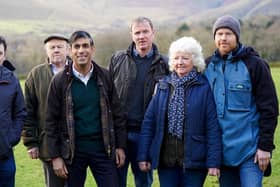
[
  {"x": 3, "y": 41},
  {"x": 141, "y": 20},
  {"x": 80, "y": 34},
  {"x": 191, "y": 46}
]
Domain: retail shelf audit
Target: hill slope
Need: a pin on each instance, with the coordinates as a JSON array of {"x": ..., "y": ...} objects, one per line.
[{"x": 45, "y": 16}]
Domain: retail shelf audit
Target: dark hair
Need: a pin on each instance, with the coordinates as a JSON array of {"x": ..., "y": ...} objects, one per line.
[
  {"x": 80, "y": 34},
  {"x": 141, "y": 20},
  {"x": 3, "y": 41}
]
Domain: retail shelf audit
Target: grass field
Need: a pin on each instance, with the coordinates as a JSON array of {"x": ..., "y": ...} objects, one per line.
[{"x": 30, "y": 174}]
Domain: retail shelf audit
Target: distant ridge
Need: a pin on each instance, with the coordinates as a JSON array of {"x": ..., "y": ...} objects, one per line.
[{"x": 45, "y": 15}]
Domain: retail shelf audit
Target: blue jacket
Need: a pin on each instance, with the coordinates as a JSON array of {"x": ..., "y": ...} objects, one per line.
[
  {"x": 12, "y": 111},
  {"x": 202, "y": 146},
  {"x": 246, "y": 101}
]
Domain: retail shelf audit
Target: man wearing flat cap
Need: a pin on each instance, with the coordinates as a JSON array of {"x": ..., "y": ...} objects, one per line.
[
  {"x": 36, "y": 89},
  {"x": 246, "y": 103}
]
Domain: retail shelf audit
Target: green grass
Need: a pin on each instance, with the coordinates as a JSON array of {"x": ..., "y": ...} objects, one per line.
[
  {"x": 17, "y": 27},
  {"x": 274, "y": 179},
  {"x": 30, "y": 174}
]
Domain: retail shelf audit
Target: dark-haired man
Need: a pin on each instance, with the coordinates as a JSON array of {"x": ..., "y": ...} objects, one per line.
[
  {"x": 85, "y": 126},
  {"x": 12, "y": 114}
]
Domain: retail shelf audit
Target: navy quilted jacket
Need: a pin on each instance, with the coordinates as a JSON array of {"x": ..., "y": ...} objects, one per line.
[
  {"x": 202, "y": 146},
  {"x": 12, "y": 110}
]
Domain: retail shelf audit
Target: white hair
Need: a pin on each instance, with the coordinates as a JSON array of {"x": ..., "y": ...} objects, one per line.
[{"x": 187, "y": 45}]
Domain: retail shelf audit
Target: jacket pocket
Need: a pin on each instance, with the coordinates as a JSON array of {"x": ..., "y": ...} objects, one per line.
[
  {"x": 198, "y": 147},
  {"x": 239, "y": 96}
]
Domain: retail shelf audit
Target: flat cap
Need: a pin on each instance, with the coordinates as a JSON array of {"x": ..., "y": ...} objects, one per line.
[{"x": 56, "y": 36}]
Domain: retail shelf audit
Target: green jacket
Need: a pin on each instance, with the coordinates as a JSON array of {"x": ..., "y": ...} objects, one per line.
[{"x": 36, "y": 89}]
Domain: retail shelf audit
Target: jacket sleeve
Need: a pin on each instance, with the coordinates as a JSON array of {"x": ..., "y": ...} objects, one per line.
[
  {"x": 51, "y": 131},
  {"x": 119, "y": 119},
  {"x": 266, "y": 101},
  {"x": 30, "y": 136},
  {"x": 18, "y": 115},
  {"x": 147, "y": 131},
  {"x": 214, "y": 138}
]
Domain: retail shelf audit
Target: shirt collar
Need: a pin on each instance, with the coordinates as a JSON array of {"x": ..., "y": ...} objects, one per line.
[
  {"x": 54, "y": 69},
  {"x": 148, "y": 55},
  {"x": 83, "y": 78}
]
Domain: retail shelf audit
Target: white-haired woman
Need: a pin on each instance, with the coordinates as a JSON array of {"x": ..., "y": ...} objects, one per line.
[{"x": 180, "y": 135}]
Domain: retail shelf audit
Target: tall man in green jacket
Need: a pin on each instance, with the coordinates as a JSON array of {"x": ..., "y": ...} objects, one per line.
[{"x": 36, "y": 88}]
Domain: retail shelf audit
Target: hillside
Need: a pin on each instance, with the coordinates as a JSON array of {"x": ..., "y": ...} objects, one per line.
[{"x": 41, "y": 16}]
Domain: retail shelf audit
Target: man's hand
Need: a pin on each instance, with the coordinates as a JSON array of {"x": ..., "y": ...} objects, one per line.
[
  {"x": 33, "y": 152},
  {"x": 262, "y": 158},
  {"x": 144, "y": 166},
  {"x": 120, "y": 157},
  {"x": 59, "y": 167}
]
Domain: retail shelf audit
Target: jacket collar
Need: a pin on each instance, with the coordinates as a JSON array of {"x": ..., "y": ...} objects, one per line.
[
  {"x": 167, "y": 80},
  {"x": 240, "y": 53},
  {"x": 9, "y": 65},
  {"x": 130, "y": 48},
  {"x": 5, "y": 74},
  {"x": 70, "y": 74}
]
